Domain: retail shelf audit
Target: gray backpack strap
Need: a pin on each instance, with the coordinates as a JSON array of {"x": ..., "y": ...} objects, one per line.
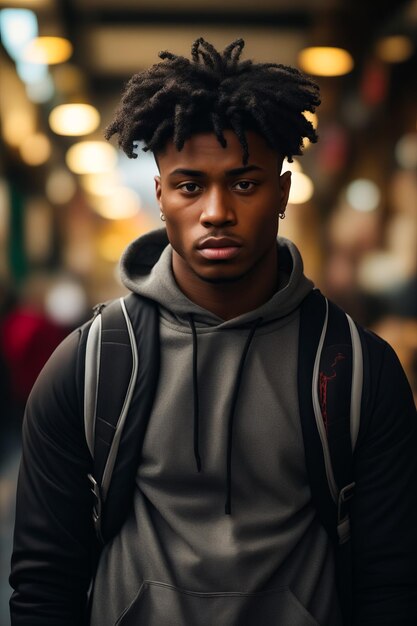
[
  {"x": 327, "y": 411},
  {"x": 92, "y": 369},
  {"x": 111, "y": 367},
  {"x": 357, "y": 382},
  {"x": 330, "y": 363}
]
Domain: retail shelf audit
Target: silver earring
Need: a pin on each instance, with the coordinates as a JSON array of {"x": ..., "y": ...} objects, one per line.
[
  {"x": 282, "y": 216},
  {"x": 162, "y": 217}
]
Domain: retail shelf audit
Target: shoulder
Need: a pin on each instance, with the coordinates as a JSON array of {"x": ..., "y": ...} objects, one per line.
[
  {"x": 57, "y": 395},
  {"x": 380, "y": 359},
  {"x": 382, "y": 365},
  {"x": 387, "y": 405},
  {"x": 387, "y": 396}
]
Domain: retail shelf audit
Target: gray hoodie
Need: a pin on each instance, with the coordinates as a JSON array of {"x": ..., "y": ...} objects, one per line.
[{"x": 222, "y": 531}]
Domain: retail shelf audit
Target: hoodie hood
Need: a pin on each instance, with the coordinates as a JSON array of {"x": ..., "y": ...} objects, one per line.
[{"x": 146, "y": 269}]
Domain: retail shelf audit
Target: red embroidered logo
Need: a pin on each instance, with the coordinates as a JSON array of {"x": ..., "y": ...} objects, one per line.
[{"x": 323, "y": 382}]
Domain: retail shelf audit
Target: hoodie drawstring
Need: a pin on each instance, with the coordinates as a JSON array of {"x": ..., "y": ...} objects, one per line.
[
  {"x": 195, "y": 395},
  {"x": 228, "y": 506}
]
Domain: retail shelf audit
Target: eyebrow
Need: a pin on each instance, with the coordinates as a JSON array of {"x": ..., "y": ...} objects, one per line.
[{"x": 234, "y": 172}]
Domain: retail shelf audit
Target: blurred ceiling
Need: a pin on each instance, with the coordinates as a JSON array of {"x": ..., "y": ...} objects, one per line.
[{"x": 114, "y": 38}]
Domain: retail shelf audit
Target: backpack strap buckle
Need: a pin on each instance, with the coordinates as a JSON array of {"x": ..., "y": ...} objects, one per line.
[{"x": 343, "y": 520}]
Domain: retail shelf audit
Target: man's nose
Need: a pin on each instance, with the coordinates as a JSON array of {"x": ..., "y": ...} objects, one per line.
[{"x": 217, "y": 208}]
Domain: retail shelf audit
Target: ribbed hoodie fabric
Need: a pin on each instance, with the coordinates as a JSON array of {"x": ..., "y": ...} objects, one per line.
[{"x": 222, "y": 529}]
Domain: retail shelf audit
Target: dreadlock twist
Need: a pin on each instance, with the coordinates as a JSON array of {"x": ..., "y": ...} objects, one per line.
[{"x": 213, "y": 91}]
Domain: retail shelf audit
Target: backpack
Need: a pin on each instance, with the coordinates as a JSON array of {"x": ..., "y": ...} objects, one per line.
[{"x": 122, "y": 357}]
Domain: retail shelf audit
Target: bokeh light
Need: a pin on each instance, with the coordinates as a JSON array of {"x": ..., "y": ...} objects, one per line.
[
  {"x": 363, "y": 195},
  {"x": 101, "y": 184},
  {"x": 325, "y": 61},
  {"x": 394, "y": 49},
  {"x": 122, "y": 203},
  {"x": 40, "y": 91},
  {"x": 312, "y": 117},
  {"x": 31, "y": 73},
  {"x": 35, "y": 149},
  {"x": 302, "y": 188},
  {"x": 66, "y": 302},
  {"x": 74, "y": 119},
  {"x": 47, "y": 50},
  {"x": 379, "y": 271},
  {"x": 17, "y": 28},
  {"x": 91, "y": 157},
  {"x": 19, "y": 123},
  {"x": 295, "y": 166}
]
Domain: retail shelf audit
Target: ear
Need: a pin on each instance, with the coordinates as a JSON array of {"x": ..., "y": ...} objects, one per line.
[
  {"x": 285, "y": 186},
  {"x": 158, "y": 190}
]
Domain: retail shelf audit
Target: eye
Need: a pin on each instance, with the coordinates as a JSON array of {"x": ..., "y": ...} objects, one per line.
[
  {"x": 244, "y": 185},
  {"x": 189, "y": 187}
]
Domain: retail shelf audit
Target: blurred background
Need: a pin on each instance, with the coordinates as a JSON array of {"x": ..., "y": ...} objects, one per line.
[{"x": 70, "y": 203}]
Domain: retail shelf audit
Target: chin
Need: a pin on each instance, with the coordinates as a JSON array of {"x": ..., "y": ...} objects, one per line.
[{"x": 222, "y": 278}]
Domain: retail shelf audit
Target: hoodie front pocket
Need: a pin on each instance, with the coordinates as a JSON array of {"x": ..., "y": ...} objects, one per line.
[{"x": 161, "y": 604}]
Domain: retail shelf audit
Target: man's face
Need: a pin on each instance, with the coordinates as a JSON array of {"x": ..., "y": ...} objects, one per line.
[{"x": 221, "y": 216}]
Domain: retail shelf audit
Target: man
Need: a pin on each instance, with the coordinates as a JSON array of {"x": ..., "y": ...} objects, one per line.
[{"x": 221, "y": 529}]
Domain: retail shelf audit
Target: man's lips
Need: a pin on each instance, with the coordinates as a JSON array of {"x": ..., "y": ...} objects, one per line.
[
  {"x": 219, "y": 242},
  {"x": 219, "y": 248}
]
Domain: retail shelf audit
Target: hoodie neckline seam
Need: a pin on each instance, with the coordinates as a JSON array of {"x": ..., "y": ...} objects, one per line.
[{"x": 262, "y": 330}]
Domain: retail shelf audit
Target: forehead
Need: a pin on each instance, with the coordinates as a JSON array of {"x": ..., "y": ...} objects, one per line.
[{"x": 203, "y": 150}]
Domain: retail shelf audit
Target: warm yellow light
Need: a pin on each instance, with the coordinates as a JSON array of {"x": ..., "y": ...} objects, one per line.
[
  {"x": 18, "y": 124},
  {"x": 311, "y": 117},
  {"x": 110, "y": 246},
  {"x": 47, "y": 50},
  {"x": 35, "y": 149},
  {"x": 74, "y": 119},
  {"x": 101, "y": 184},
  {"x": 295, "y": 166},
  {"x": 122, "y": 204},
  {"x": 301, "y": 188},
  {"x": 29, "y": 4},
  {"x": 325, "y": 61},
  {"x": 90, "y": 157},
  {"x": 394, "y": 49}
]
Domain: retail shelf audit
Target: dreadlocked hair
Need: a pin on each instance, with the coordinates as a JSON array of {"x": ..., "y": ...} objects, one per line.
[{"x": 213, "y": 91}]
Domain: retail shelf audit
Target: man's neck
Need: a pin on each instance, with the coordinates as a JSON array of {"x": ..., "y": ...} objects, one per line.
[{"x": 230, "y": 299}]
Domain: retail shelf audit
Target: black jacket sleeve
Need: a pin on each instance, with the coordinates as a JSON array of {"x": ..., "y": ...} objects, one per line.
[
  {"x": 54, "y": 542},
  {"x": 384, "y": 510}
]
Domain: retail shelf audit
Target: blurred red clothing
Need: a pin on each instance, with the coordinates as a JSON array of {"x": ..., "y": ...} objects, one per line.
[{"x": 27, "y": 339}]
